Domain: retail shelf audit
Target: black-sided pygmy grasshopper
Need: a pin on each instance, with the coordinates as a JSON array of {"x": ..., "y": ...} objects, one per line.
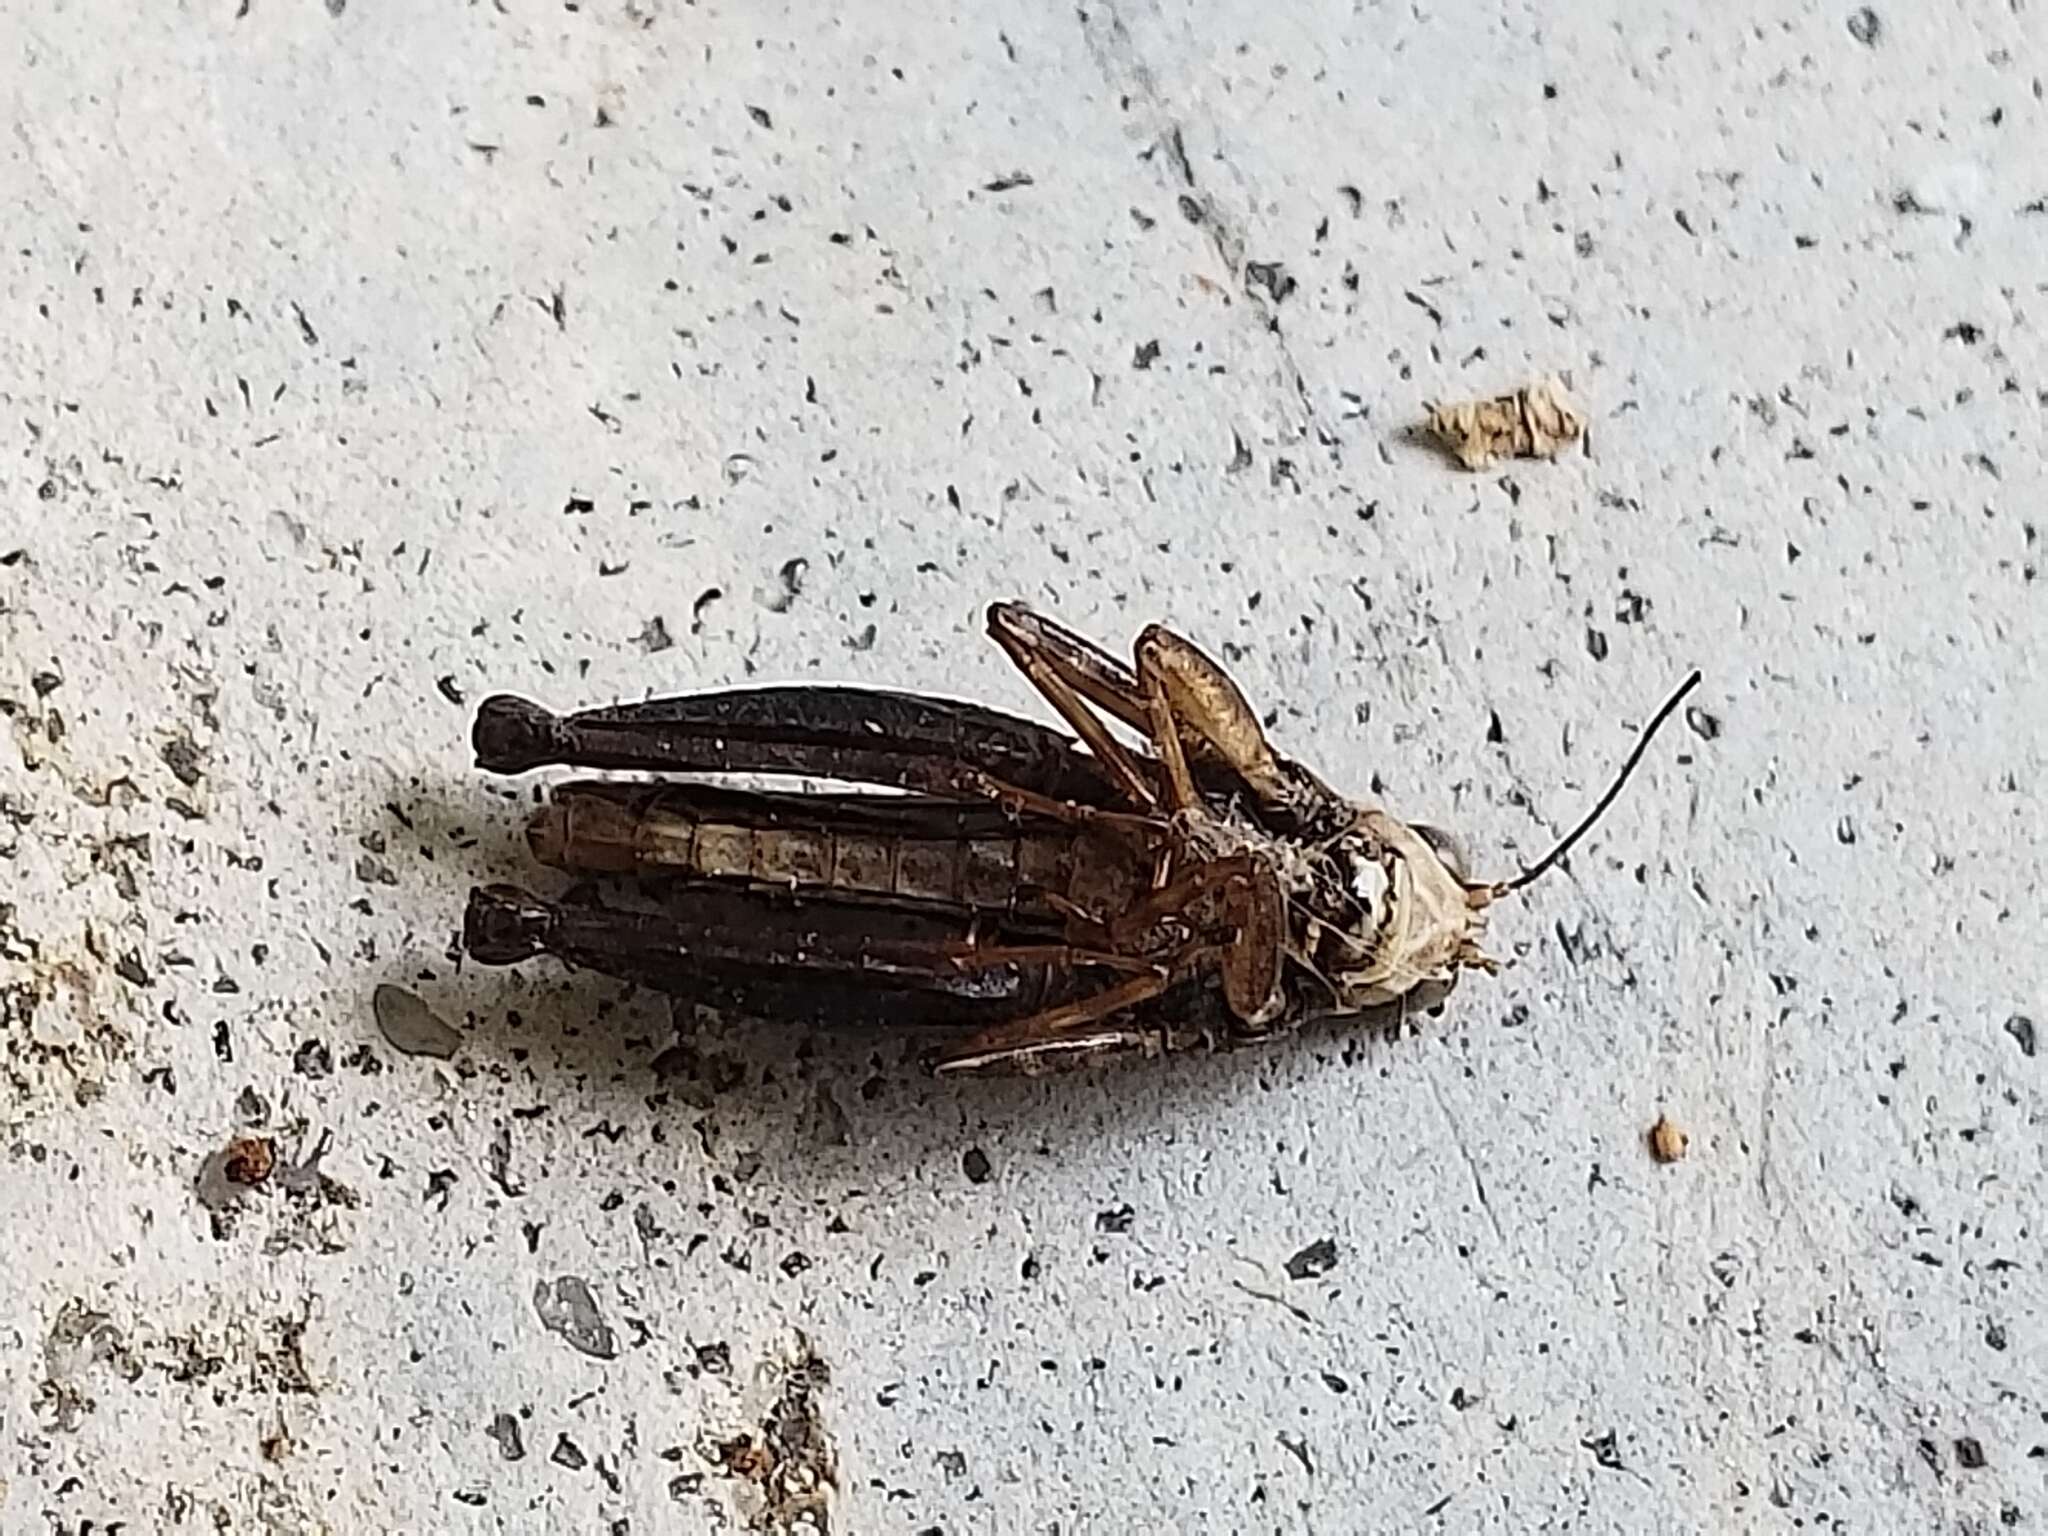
[{"x": 1051, "y": 899}]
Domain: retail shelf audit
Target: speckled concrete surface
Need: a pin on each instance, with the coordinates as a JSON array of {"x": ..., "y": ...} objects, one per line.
[{"x": 359, "y": 360}]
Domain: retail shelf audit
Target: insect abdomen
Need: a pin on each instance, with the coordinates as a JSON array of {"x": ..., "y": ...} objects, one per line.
[{"x": 913, "y": 851}]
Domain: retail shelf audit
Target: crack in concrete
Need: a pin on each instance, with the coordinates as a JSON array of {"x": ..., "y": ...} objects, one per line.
[
  {"x": 1115, "y": 52},
  {"x": 1458, "y": 1140}
]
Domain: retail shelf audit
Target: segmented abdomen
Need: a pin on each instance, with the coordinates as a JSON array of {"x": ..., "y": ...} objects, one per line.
[{"x": 953, "y": 854}]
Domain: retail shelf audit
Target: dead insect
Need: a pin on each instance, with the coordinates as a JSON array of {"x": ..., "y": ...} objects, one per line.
[{"x": 1064, "y": 899}]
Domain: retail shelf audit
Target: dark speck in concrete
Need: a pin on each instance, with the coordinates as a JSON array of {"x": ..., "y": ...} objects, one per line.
[
  {"x": 505, "y": 1430},
  {"x": 568, "y": 1310},
  {"x": 2021, "y": 1028},
  {"x": 1318, "y": 1258},
  {"x": 714, "y": 1359},
  {"x": 1271, "y": 276},
  {"x": 1297, "y": 1447},
  {"x": 184, "y": 760},
  {"x": 704, "y": 600},
  {"x": 1606, "y": 1452}
]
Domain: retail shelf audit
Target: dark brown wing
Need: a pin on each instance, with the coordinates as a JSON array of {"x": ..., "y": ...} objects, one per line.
[
  {"x": 814, "y": 961},
  {"x": 861, "y": 735},
  {"x": 897, "y": 815}
]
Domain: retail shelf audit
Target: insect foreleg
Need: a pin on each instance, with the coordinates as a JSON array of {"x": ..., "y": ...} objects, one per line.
[{"x": 1249, "y": 909}]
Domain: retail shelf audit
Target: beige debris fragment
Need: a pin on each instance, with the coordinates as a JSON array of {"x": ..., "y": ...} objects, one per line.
[
  {"x": 1667, "y": 1141},
  {"x": 1537, "y": 421}
]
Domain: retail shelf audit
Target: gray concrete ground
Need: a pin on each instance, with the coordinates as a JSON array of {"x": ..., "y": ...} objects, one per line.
[{"x": 359, "y": 360}]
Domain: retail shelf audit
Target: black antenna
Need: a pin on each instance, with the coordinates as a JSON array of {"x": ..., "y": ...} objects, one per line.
[{"x": 1642, "y": 745}]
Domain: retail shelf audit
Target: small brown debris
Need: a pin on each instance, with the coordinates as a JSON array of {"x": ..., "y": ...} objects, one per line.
[
  {"x": 1667, "y": 1141},
  {"x": 746, "y": 1457},
  {"x": 1537, "y": 421},
  {"x": 248, "y": 1160},
  {"x": 787, "y": 1464}
]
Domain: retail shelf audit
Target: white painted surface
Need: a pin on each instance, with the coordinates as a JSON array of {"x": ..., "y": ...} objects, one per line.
[{"x": 293, "y": 430}]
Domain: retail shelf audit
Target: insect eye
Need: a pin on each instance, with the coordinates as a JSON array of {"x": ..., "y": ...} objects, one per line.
[{"x": 1446, "y": 848}]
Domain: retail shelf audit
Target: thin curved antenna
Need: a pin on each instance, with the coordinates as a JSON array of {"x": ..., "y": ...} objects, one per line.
[{"x": 1543, "y": 865}]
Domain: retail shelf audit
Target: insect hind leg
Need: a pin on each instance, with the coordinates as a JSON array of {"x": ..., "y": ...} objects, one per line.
[
  {"x": 1072, "y": 675},
  {"x": 1067, "y": 1034}
]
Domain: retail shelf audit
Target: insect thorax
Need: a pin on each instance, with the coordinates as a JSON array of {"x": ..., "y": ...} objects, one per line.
[{"x": 1373, "y": 910}]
